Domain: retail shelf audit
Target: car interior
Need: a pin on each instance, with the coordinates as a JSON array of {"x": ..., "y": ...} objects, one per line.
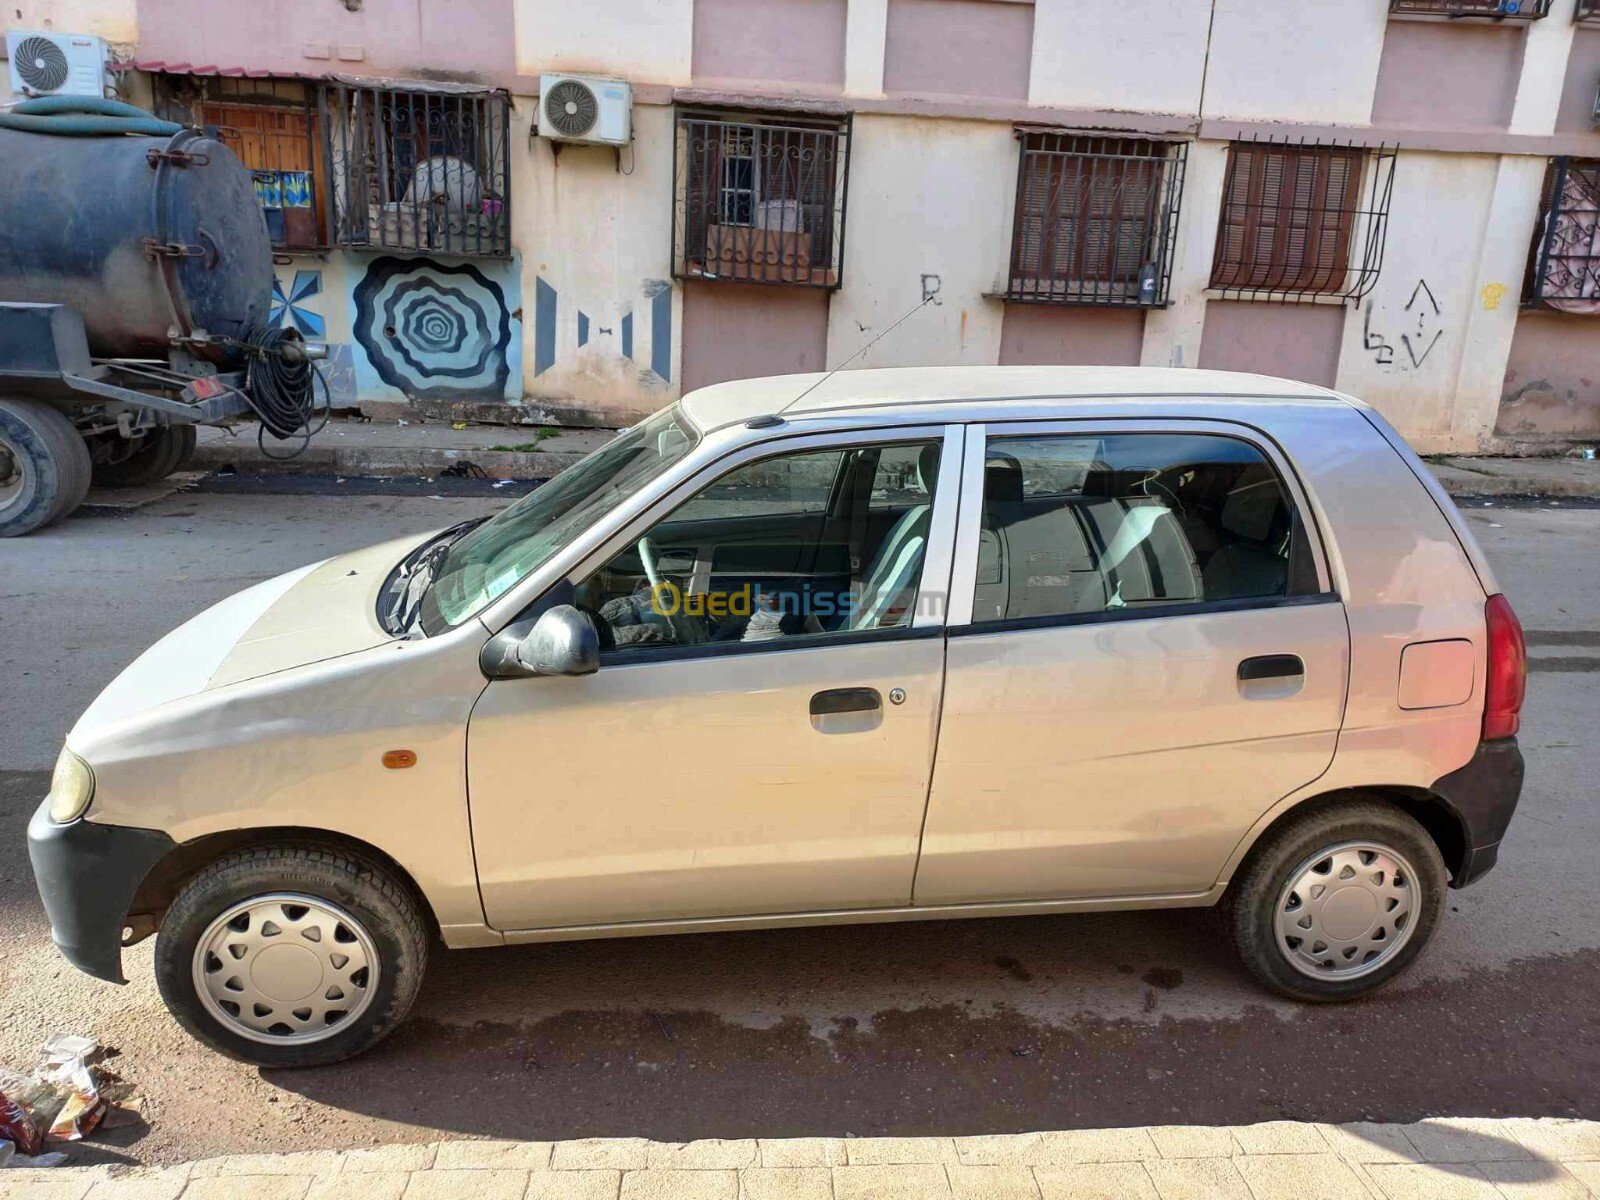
[
  {"x": 833, "y": 541},
  {"x": 1074, "y": 525},
  {"x": 819, "y": 542}
]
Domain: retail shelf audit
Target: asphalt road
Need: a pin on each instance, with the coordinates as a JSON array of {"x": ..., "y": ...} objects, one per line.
[{"x": 954, "y": 1028}]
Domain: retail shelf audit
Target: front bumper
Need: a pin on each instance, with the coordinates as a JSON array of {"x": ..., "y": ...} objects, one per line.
[
  {"x": 87, "y": 874},
  {"x": 1483, "y": 794}
]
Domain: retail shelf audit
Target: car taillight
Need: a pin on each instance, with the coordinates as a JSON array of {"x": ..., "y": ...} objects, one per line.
[{"x": 1508, "y": 670}]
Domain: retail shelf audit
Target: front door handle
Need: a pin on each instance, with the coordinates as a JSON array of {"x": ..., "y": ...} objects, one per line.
[
  {"x": 1271, "y": 666},
  {"x": 1272, "y": 676},
  {"x": 846, "y": 710},
  {"x": 845, "y": 700}
]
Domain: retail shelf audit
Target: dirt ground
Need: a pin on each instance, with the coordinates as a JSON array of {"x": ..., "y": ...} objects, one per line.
[{"x": 951, "y": 1028}]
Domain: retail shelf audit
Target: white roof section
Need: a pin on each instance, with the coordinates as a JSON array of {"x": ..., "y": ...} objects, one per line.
[{"x": 739, "y": 400}]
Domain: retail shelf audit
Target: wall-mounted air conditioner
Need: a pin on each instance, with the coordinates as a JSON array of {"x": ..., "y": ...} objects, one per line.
[
  {"x": 56, "y": 64},
  {"x": 582, "y": 108}
]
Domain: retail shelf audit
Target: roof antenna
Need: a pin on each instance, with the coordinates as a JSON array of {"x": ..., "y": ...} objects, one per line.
[{"x": 930, "y": 295}]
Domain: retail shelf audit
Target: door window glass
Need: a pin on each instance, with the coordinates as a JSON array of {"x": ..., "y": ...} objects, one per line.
[
  {"x": 799, "y": 545},
  {"x": 1075, "y": 525}
]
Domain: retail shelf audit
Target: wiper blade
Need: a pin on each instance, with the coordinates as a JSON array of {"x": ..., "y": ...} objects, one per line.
[{"x": 416, "y": 572}]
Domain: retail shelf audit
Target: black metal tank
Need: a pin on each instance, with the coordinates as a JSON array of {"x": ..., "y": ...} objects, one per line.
[{"x": 141, "y": 235}]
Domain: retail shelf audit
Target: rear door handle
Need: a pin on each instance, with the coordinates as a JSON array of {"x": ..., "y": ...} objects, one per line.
[
  {"x": 1272, "y": 677},
  {"x": 845, "y": 700},
  {"x": 1271, "y": 666},
  {"x": 847, "y": 710}
]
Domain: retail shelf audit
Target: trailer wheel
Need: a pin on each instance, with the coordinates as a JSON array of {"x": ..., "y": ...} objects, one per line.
[
  {"x": 44, "y": 466},
  {"x": 161, "y": 452}
]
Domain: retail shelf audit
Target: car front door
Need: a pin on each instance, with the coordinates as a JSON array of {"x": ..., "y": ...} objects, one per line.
[
  {"x": 759, "y": 736},
  {"x": 1153, "y": 657}
]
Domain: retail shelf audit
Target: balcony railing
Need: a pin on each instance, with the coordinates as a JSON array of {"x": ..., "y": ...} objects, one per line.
[
  {"x": 1566, "y": 262},
  {"x": 760, "y": 198},
  {"x": 1095, "y": 221},
  {"x": 419, "y": 170},
  {"x": 1493, "y": 10}
]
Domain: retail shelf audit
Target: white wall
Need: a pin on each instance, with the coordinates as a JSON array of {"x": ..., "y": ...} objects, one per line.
[
  {"x": 644, "y": 41},
  {"x": 865, "y": 39},
  {"x": 1128, "y": 54},
  {"x": 601, "y": 241},
  {"x": 1493, "y": 301},
  {"x": 927, "y": 197},
  {"x": 1313, "y": 61},
  {"x": 1172, "y": 334},
  {"x": 1399, "y": 354}
]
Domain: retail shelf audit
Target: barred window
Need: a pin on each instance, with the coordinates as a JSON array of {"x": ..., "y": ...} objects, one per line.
[
  {"x": 1566, "y": 250},
  {"x": 760, "y": 198},
  {"x": 1296, "y": 220},
  {"x": 423, "y": 169},
  {"x": 273, "y": 125},
  {"x": 1495, "y": 10},
  {"x": 1095, "y": 219},
  {"x": 1587, "y": 11}
]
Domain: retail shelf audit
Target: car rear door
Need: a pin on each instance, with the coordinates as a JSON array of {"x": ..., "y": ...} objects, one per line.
[{"x": 1145, "y": 654}]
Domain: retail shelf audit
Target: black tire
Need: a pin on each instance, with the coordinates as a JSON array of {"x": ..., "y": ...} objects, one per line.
[
  {"x": 161, "y": 453},
  {"x": 382, "y": 904},
  {"x": 47, "y": 464},
  {"x": 1250, "y": 906}
]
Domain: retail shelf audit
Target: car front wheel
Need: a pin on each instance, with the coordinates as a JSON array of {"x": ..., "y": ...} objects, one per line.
[
  {"x": 1335, "y": 903},
  {"x": 291, "y": 956}
]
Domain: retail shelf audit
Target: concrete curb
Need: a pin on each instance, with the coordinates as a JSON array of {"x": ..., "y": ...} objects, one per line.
[
  {"x": 364, "y": 455},
  {"x": 1462, "y": 1158},
  {"x": 324, "y": 459}
]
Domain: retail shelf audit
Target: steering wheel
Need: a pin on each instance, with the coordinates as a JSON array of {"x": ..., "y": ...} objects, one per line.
[{"x": 685, "y": 631}]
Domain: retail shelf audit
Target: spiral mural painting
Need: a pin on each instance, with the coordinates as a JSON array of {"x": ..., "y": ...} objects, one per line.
[{"x": 434, "y": 331}]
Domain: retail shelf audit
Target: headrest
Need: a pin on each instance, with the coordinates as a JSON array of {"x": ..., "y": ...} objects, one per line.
[
  {"x": 928, "y": 466},
  {"x": 1002, "y": 481}
]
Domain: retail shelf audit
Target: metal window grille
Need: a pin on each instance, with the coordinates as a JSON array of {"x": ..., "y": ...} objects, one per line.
[
  {"x": 419, "y": 170},
  {"x": 1302, "y": 220},
  {"x": 760, "y": 198},
  {"x": 1587, "y": 11},
  {"x": 1095, "y": 220},
  {"x": 273, "y": 126},
  {"x": 1566, "y": 252},
  {"x": 1496, "y": 10}
]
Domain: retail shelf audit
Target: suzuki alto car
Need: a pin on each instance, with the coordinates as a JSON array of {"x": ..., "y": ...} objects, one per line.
[{"x": 877, "y": 646}]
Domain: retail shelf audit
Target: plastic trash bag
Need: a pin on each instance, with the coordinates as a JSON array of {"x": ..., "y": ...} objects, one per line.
[{"x": 60, "y": 1098}]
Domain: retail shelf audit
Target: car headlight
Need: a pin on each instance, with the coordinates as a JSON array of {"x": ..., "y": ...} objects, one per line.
[{"x": 71, "y": 788}]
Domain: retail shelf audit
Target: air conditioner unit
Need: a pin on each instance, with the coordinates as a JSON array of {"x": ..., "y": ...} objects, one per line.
[
  {"x": 56, "y": 64},
  {"x": 582, "y": 108}
]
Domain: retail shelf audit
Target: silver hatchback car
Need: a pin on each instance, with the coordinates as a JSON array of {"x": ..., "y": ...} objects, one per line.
[{"x": 877, "y": 646}]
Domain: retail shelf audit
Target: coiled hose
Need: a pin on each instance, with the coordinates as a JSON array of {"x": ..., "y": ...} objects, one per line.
[
  {"x": 281, "y": 386},
  {"x": 83, "y": 116}
]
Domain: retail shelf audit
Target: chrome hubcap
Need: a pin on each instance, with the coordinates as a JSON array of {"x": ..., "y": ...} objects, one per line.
[
  {"x": 286, "y": 968},
  {"x": 1346, "y": 910}
]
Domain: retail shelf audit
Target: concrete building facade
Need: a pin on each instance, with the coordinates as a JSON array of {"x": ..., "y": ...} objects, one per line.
[{"x": 1397, "y": 198}]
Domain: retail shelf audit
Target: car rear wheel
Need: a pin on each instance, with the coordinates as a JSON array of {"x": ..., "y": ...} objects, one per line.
[
  {"x": 1334, "y": 904},
  {"x": 291, "y": 956}
]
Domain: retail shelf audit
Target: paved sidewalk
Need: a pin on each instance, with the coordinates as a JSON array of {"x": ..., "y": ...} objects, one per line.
[
  {"x": 389, "y": 448},
  {"x": 1454, "y": 1159},
  {"x": 427, "y": 448}
]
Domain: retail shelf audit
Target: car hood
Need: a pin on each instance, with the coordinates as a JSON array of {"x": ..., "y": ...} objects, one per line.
[{"x": 306, "y": 616}]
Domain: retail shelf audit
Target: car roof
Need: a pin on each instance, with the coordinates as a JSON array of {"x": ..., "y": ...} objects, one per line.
[{"x": 1080, "y": 389}]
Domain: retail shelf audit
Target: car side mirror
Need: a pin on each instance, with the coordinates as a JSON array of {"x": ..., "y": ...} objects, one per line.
[{"x": 562, "y": 641}]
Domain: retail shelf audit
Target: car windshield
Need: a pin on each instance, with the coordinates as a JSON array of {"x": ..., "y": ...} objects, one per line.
[{"x": 499, "y": 554}]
